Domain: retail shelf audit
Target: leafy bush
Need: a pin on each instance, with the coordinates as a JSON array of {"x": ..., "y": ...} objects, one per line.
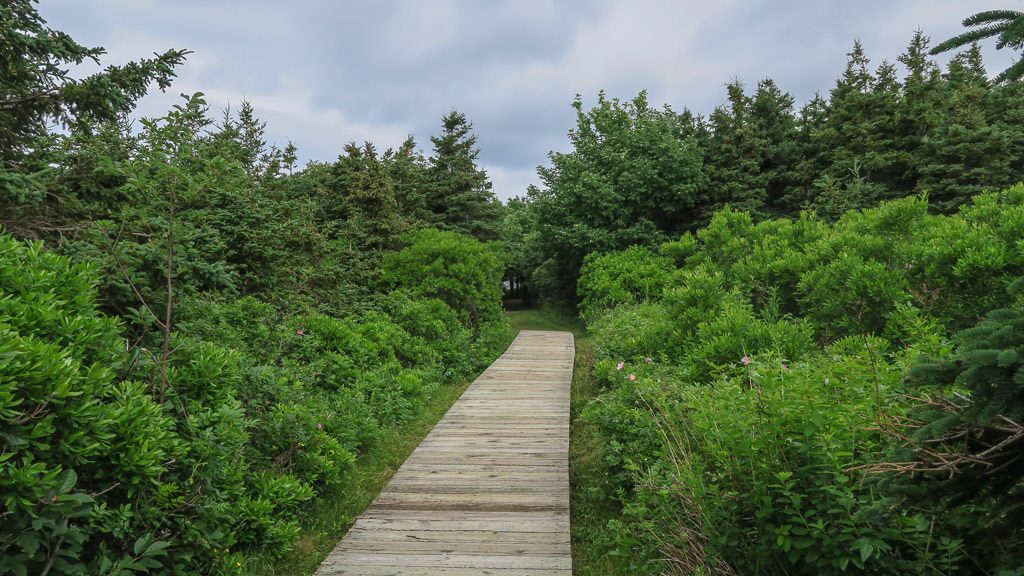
[
  {"x": 458, "y": 270},
  {"x": 634, "y": 332},
  {"x": 754, "y": 413},
  {"x": 78, "y": 447},
  {"x": 628, "y": 276},
  {"x": 260, "y": 410}
]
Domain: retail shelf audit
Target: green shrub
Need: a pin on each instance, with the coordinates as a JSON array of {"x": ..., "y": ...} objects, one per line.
[
  {"x": 78, "y": 450},
  {"x": 752, "y": 411},
  {"x": 625, "y": 277},
  {"x": 851, "y": 295},
  {"x": 458, "y": 270},
  {"x": 634, "y": 332},
  {"x": 435, "y": 323}
]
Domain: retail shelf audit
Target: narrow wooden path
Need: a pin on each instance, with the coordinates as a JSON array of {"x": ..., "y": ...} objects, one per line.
[{"x": 487, "y": 492}]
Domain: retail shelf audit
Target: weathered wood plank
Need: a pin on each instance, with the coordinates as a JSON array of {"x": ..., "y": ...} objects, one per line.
[
  {"x": 487, "y": 491},
  {"x": 349, "y": 570}
]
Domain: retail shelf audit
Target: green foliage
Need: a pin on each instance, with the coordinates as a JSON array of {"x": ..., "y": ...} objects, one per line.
[
  {"x": 460, "y": 196},
  {"x": 631, "y": 275},
  {"x": 634, "y": 332},
  {"x": 460, "y": 271},
  {"x": 38, "y": 88},
  {"x": 254, "y": 354},
  {"x": 632, "y": 178},
  {"x": 753, "y": 413},
  {"x": 1007, "y": 26},
  {"x": 637, "y": 175},
  {"x": 965, "y": 440},
  {"x": 76, "y": 444}
]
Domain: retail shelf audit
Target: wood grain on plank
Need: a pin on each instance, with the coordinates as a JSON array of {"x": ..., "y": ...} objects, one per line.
[{"x": 487, "y": 491}]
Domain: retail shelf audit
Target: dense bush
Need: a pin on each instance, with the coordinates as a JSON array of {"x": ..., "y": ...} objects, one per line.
[
  {"x": 757, "y": 419},
  {"x": 108, "y": 467},
  {"x": 79, "y": 448},
  {"x": 632, "y": 275},
  {"x": 455, "y": 269}
]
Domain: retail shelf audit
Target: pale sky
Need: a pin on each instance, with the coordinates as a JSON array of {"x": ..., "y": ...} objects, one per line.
[{"x": 322, "y": 73}]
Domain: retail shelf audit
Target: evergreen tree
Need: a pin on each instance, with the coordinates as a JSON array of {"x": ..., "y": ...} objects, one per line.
[
  {"x": 809, "y": 156},
  {"x": 460, "y": 195},
  {"x": 964, "y": 155},
  {"x": 776, "y": 127},
  {"x": 735, "y": 154},
  {"x": 1004, "y": 111},
  {"x": 373, "y": 216},
  {"x": 410, "y": 177},
  {"x": 966, "y": 441},
  {"x": 857, "y": 140},
  {"x": 1007, "y": 26},
  {"x": 919, "y": 114},
  {"x": 36, "y": 89}
]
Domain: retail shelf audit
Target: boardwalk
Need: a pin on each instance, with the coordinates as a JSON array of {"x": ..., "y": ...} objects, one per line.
[{"x": 487, "y": 492}]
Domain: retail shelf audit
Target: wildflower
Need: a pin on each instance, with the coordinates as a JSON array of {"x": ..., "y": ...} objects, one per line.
[
  {"x": 319, "y": 426},
  {"x": 785, "y": 366},
  {"x": 620, "y": 365},
  {"x": 632, "y": 377},
  {"x": 300, "y": 332},
  {"x": 649, "y": 360},
  {"x": 745, "y": 360}
]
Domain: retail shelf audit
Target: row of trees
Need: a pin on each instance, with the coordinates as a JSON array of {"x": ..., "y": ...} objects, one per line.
[
  {"x": 640, "y": 175},
  {"x": 201, "y": 337},
  {"x": 819, "y": 372}
]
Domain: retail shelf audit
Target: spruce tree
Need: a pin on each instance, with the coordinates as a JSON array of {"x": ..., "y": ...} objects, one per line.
[
  {"x": 776, "y": 128},
  {"x": 37, "y": 89},
  {"x": 965, "y": 442},
  {"x": 857, "y": 139},
  {"x": 919, "y": 115},
  {"x": 964, "y": 154},
  {"x": 809, "y": 157},
  {"x": 372, "y": 216},
  {"x": 460, "y": 195},
  {"x": 735, "y": 154},
  {"x": 410, "y": 177}
]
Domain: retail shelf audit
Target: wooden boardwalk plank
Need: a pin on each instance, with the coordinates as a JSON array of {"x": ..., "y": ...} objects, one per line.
[{"x": 487, "y": 491}]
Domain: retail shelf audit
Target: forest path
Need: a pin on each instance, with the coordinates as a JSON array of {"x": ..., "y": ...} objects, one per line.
[{"x": 487, "y": 491}]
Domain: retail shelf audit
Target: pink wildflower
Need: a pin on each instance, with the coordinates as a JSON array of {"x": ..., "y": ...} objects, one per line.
[
  {"x": 632, "y": 377},
  {"x": 785, "y": 366},
  {"x": 319, "y": 426},
  {"x": 745, "y": 360},
  {"x": 620, "y": 365},
  {"x": 300, "y": 332}
]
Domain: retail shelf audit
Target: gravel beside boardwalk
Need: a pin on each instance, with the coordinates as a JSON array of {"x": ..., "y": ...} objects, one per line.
[{"x": 487, "y": 491}]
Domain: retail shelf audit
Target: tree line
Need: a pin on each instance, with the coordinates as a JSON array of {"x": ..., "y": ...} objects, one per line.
[
  {"x": 639, "y": 174},
  {"x": 198, "y": 337}
]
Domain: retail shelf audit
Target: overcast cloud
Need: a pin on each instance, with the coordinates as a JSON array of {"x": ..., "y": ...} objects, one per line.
[{"x": 322, "y": 73}]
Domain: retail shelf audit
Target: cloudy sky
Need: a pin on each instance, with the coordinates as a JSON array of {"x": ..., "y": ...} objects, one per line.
[{"x": 322, "y": 73}]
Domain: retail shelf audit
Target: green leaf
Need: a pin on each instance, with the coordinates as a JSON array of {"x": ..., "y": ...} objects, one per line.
[
  {"x": 29, "y": 543},
  {"x": 141, "y": 544},
  {"x": 68, "y": 480}
]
